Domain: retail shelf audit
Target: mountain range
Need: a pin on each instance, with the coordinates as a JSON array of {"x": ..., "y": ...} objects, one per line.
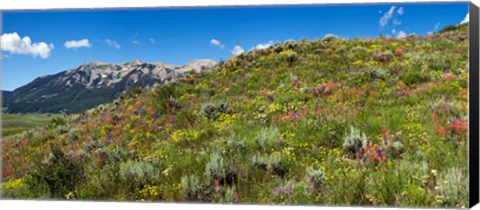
[{"x": 92, "y": 84}]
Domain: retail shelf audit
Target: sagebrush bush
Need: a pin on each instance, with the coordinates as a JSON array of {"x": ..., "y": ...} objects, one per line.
[
  {"x": 191, "y": 187},
  {"x": 275, "y": 163},
  {"x": 267, "y": 138},
  {"x": 230, "y": 195},
  {"x": 138, "y": 170},
  {"x": 236, "y": 144},
  {"x": 214, "y": 110},
  {"x": 454, "y": 188},
  {"x": 355, "y": 142},
  {"x": 316, "y": 179},
  {"x": 378, "y": 73},
  {"x": 215, "y": 168}
]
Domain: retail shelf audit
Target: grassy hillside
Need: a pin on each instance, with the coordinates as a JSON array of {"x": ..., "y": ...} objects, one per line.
[
  {"x": 326, "y": 122},
  {"x": 17, "y": 123}
]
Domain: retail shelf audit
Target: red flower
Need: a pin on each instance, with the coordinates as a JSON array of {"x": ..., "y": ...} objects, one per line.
[
  {"x": 6, "y": 170},
  {"x": 458, "y": 126},
  {"x": 384, "y": 133},
  {"x": 398, "y": 52},
  {"x": 149, "y": 111},
  {"x": 217, "y": 183}
]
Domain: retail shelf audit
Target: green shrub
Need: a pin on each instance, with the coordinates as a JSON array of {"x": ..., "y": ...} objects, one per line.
[
  {"x": 55, "y": 176},
  {"x": 55, "y": 122},
  {"x": 191, "y": 188},
  {"x": 292, "y": 192},
  {"x": 230, "y": 195},
  {"x": 235, "y": 144},
  {"x": 275, "y": 163},
  {"x": 138, "y": 171},
  {"x": 449, "y": 28},
  {"x": 413, "y": 77},
  {"x": 378, "y": 73},
  {"x": 355, "y": 142},
  {"x": 215, "y": 168},
  {"x": 267, "y": 138},
  {"x": 454, "y": 188},
  {"x": 214, "y": 110},
  {"x": 291, "y": 57},
  {"x": 291, "y": 45},
  {"x": 418, "y": 57},
  {"x": 316, "y": 179}
]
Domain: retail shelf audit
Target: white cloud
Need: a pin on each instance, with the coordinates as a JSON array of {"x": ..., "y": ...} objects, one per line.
[
  {"x": 394, "y": 31},
  {"x": 396, "y": 22},
  {"x": 436, "y": 26},
  {"x": 237, "y": 50},
  {"x": 77, "y": 44},
  {"x": 217, "y": 43},
  {"x": 400, "y": 11},
  {"x": 330, "y": 35},
  {"x": 466, "y": 19},
  {"x": 11, "y": 42},
  {"x": 136, "y": 42},
  {"x": 153, "y": 41},
  {"x": 112, "y": 43},
  {"x": 134, "y": 39},
  {"x": 264, "y": 45},
  {"x": 401, "y": 34},
  {"x": 384, "y": 19}
]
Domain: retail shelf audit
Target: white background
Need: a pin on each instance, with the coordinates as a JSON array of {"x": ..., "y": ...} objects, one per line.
[{"x": 61, "y": 4}]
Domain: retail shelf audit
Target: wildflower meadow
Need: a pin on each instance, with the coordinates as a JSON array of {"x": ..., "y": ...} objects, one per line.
[{"x": 333, "y": 121}]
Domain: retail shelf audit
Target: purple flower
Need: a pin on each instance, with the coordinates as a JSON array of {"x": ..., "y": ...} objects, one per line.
[
  {"x": 278, "y": 190},
  {"x": 455, "y": 120},
  {"x": 289, "y": 189},
  {"x": 379, "y": 151},
  {"x": 156, "y": 116},
  {"x": 294, "y": 114},
  {"x": 72, "y": 143}
]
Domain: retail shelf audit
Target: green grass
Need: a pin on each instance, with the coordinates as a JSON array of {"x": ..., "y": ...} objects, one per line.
[
  {"x": 17, "y": 123},
  {"x": 315, "y": 122}
]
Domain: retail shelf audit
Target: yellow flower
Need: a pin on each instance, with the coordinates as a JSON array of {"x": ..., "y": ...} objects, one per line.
[
  {"x": 273, "y": 107},
  {"x": 13, "y": 184}
]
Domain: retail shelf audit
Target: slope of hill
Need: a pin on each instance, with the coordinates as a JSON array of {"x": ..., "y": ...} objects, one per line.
[
  {"x": 92, "y": 84},
  {"x": 6, "y": 94},
  {"x": 326, "y": 122}
]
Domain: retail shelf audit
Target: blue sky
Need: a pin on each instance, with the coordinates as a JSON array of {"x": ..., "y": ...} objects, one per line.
[{"x": 37, "y": 43}]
